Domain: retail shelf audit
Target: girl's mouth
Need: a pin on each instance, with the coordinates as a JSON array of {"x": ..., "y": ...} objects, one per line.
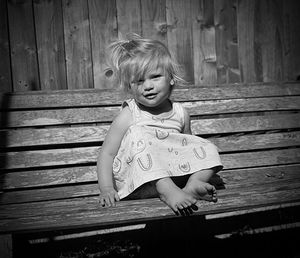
[{"x": 150, "y": 96}]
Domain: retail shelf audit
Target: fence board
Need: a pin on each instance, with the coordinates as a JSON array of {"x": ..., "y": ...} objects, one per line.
[
  {"x": 226, "y": 41},
  {"x": 154, "y": 24},
  {"x": 23, "y": 48},
  {"x": 245, "y": 27},
  {"x": 50, "y": 44},
  {"x": 103, "y": 23},
  {"x": 5, "y": 73},
  {"x": 180, "y": 42},
  {"x": 129, "y": 17},
  {"x": 77, "y": 44}
]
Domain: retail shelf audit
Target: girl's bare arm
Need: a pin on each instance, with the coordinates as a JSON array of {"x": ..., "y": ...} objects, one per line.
[{"x": 110, "y": 147}]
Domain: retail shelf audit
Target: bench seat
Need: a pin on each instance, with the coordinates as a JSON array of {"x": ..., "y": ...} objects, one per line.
[{"x": 50, "y": 140}]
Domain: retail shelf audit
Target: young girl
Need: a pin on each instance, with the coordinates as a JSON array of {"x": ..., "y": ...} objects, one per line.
[{"x": 149, "y": 150}]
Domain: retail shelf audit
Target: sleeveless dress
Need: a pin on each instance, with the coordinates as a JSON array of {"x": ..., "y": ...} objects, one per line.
[{"x": 154, "y": 147}]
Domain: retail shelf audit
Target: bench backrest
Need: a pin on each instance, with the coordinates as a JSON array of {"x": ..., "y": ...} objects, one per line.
[{"x": 49, "y": 140}]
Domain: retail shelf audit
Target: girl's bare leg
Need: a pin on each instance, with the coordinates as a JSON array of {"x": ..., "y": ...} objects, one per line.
[
  {"x": 177, "y": 199},
  {"x": 200, "y": 189}
]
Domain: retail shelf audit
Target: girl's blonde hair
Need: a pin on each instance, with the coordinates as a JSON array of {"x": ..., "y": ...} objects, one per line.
[{"x": 133, "y": 57}]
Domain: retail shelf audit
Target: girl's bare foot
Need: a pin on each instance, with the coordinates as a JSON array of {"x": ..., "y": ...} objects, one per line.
[
  {"x": 200, "y": 190},
  {"x": 178, "y": 200}
]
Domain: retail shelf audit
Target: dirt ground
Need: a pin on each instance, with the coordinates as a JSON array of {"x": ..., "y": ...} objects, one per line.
[{"x": 283, "y": 244}]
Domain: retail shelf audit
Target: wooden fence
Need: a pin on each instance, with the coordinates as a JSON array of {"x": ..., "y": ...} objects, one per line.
[{"x": 60, "y": 44}]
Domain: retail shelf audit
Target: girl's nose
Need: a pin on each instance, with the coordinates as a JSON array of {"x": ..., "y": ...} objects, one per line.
[{"x": 148, "y": 85}]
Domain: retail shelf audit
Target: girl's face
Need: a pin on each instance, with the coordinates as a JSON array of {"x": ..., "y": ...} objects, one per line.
[{"x": 153, "y": 90}]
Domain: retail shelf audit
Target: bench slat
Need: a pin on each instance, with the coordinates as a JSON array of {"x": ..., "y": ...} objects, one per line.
[
  {"x": 236, "y": 178},
  {"x": 106, "y": 114},
  {"x": 86, "y": 97},
  {"x": 73, "y": 175},
  {"x": 96, "y": 134},
  {"x": 85, "y": 212}
]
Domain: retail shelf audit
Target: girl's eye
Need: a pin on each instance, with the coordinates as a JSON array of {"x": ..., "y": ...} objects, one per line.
[{"x": 155, "y": 76}]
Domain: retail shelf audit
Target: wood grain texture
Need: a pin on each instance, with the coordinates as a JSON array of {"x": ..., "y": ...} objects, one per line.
[
  {"x": 5, "y": 65},
  {"x": 77, "y": 44},
  {"x": 50, "y": 44},
  {"x": 86, "y": 212},
  {"x": 154, "y": 23},
  {"x": 22, "y": 46},
  {"x": 129, "y": 17},
  {"x": 104, "y": 29},
  {"x": 89, "y": 97}
]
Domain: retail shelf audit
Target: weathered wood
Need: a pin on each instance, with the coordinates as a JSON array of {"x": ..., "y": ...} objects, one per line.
[
  {"x": 179, "y": 19},
  {"x": 129, "y": 17},
  {"x": 48, "y": 156},
  {"x": 86, "y": 212},
  {"x": 22, "y": 46},
  {"x": 103, "y": 24},
  {"x": 33, "y": 188},
  {"x": 50, "y": 44},
  {"x": 88, "y": 155},
  {"x": 107, "y": 114},
  {"x": 80, "y": 98},
  {"x": 77, "y": 44},
  {"x": 5, "y": 72},
  {"x": 154, "y": 24}
]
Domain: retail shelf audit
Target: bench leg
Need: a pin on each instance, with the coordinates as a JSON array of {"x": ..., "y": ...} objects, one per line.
[{"x": 6, "y": 246}]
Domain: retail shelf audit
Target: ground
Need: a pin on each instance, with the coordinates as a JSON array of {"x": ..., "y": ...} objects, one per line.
[{"x": 281, "y": 244}]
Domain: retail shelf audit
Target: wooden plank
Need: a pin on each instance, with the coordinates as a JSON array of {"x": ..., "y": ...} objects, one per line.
[
  {"x": 50, "y": 44},
  {"x": 88, "y": 97},
  {"x": 96, "y": 134},
  {"x": 83, "y": 205},
  {"x": 245, "y": 124},
  {"x": 65, "y": 135},
  {"x": 107, "y": 114},
  {"x": 29, "y": 190},
  {"x": 88, "y": 155},
  {"x": 103, "y": 25},
  {"x": 270, "y": 37},
  {"x": 154, "y": 23},
  {"x": 129, "y": 17},
  {"x": 226, "y": 41},
  {"x": 77, "y": 44},
  {"x": 246, "y": 41},
  {"x": 86, "y": 212},
  {"x": 204, "y": 45},
  {"x": 5, "y": 72},
  {"x": 291, "y": 40},
  {"x": 22, "y": 46},
  {"x": 180, "y": 41}
]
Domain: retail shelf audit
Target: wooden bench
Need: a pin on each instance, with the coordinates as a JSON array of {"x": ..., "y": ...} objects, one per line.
[{"x": 49, "y": 144}]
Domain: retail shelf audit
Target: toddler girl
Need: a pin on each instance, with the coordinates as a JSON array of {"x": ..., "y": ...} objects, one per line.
[{"x": 149, "y": 150}]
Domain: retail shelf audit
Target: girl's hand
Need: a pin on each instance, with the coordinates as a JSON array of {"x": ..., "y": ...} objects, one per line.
[{"x": 108, "y": 197}]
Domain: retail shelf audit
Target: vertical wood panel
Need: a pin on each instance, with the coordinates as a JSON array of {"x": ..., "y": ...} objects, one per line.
[
  {"x": 50, "y": 44},
  {"x": 129, "y": 17},
  {"x": 154, "y": 23},
  {"x": 204, "y": 46},
  {"x": 179, "y": 35},
  {"x": 226, "y": 41},
  {"x": 103, "y": 22},
  {"x": 270, "y": 31},
  {"x": 245, "y": 27},
  {"x": 23, "y": 46},
  {"x": 77, "y": 44},
  {"x": 291, "y": 50},
  {"x": 5, "y": 75}
]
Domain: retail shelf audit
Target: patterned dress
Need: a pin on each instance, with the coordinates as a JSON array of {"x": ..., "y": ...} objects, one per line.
[{"x": 154, "y": 147}]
